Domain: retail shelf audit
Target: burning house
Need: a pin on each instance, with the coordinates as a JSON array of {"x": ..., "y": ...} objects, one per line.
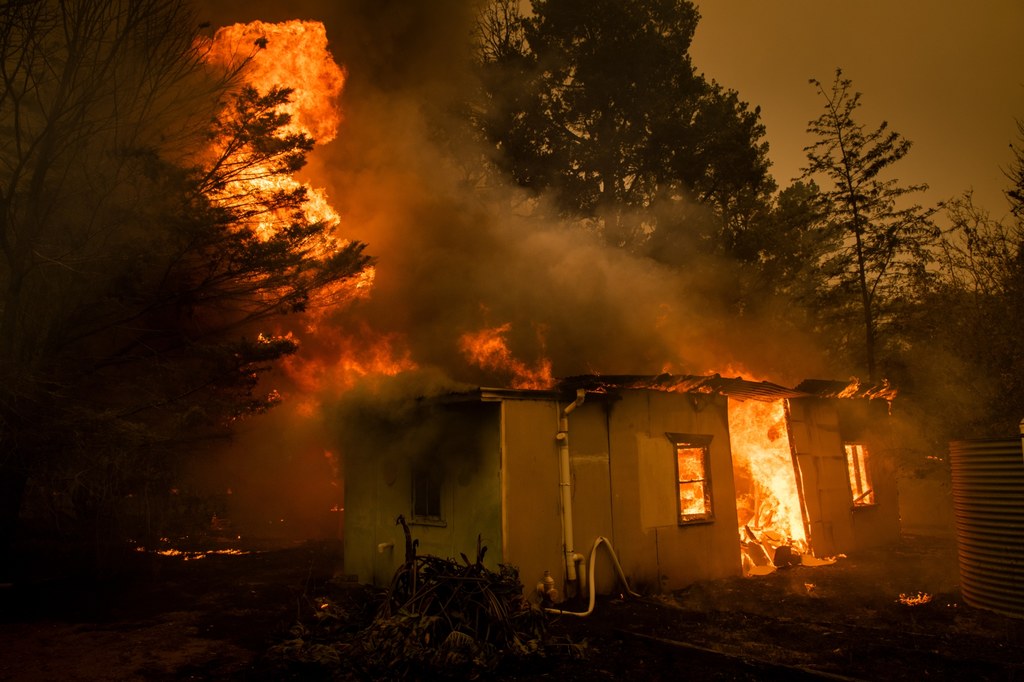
[
  {"x": 686, "y": 477},
  {"x": 683, "y": 478}
]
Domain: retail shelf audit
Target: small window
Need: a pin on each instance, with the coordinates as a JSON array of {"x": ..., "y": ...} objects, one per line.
[
  {"x": 693, "y": 477},
  {"x": 859, "y": 467},
  {"x": 426, "y": 496}
]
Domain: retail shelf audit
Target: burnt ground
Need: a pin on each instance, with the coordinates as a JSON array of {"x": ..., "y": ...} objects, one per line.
[{"x": 217, "y": 618}]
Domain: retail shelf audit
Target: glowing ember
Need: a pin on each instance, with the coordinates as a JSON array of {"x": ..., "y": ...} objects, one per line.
[
  {"x": 767, "y": 501},
  {"x": 915, "y": 599},
  {"x": 856, "y": 389},
  {"x": 488, "y": 349},
  {"x": 192, "y": 556}
]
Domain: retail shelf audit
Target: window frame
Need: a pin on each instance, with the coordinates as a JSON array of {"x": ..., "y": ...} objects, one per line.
[
  {"x": 859, "y": 470},
  {"x": 431, "y": 482},
  {"x": 696, "y": 442}
]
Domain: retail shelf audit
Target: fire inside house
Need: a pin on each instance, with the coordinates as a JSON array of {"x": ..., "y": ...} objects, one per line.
[
  {"x": 671, "y": 479},
  {"x": 686, "y": 478}
]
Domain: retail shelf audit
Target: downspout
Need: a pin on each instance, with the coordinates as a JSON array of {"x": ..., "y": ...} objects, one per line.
[
  {"x": 572, "y": 558},
  {"x": 565, "y": 486}
]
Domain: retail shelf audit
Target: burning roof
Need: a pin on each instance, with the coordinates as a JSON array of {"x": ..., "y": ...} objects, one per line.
[
  {"x": 737, "y": 388},
  {"x": 823, "y": 388},
  {"x": 716, "y": 384}
]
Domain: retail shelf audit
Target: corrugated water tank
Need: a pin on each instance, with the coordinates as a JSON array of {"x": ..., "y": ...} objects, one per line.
[{"x": 988, "y": 504}]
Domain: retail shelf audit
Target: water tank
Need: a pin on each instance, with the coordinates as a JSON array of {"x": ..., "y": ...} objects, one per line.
[{"x": 988, "y": 504}]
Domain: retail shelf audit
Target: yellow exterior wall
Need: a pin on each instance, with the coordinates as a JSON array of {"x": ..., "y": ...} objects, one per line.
[
  {"x": 867, "y": 422},
  {"x": 592, "y": 492},
  {"x": 655, "y": 551},
  {"x": 461, "y": 441},
  {"x": 500, "y": 458},
  {"x": 817, "y": 435},
  {"x": 530, "y": 491},
  {"x": 624, "y": 488},
  {"x": 821, "y": 475}
]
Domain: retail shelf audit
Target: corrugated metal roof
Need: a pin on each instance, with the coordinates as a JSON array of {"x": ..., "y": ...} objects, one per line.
[
  {"x": 485, "y": 394},
  {"x": 741, "y": 389},
  {"x": 824, "y": 388},
  {"x": 732, "y": 387},
  {"x": 736, "y": 387}
]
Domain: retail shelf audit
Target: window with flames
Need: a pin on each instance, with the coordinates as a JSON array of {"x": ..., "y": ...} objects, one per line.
[
  {"x": 693, "y": 477},
  {"x": 859, "y": 467}
]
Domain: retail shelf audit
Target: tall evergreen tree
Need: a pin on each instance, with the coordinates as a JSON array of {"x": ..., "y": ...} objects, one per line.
[
  {"x": 1015, "y": 193},
  {"x": 793, "y": 248},
  {"x": 887, "y": 238},
  {"x": 599, "y": 105}
]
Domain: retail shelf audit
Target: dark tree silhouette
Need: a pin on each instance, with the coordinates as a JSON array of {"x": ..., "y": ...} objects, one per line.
[
  {"x": 966, "y": 343},
  {"x": 138, "y": 251},
  {"x": 1015, "y": 175},
  {"x": 598, "y": 105},
  {"x": 886, "y": 239}
]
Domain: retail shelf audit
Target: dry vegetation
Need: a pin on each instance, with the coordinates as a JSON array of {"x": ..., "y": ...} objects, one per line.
[{"x": 234, "y": 617}]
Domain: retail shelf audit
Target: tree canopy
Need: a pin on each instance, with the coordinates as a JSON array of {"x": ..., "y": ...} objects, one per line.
[
  {"x": 887, "y": 238},
  {"x": 141, "y": 246},
  {"x": 599, "y": 105}
]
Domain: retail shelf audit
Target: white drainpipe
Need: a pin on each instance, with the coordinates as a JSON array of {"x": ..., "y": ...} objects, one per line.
[{"x": 565, "y": 485}]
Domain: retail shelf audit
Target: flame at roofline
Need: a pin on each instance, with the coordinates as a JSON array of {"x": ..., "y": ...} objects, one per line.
[{"x": 736, "y": 388}]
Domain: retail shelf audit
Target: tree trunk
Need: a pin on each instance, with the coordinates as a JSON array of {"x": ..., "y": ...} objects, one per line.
[
  {"x": 13, "y": 481},
  {"x": 869, "y": 317}
]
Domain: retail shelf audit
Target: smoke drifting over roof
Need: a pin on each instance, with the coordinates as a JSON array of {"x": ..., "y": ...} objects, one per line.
[{"x": 452, "y": 259}]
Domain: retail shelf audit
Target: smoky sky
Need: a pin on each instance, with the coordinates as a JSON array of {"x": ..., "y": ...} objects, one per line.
[
  {"x": 451, "y": 259},
  {"x": 947, "y": 75}
]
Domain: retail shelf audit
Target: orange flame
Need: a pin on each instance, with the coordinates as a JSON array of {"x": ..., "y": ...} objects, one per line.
[
  {"x": 343, "y": 360},
  {"x": 294, "y": 54},
  {"x": 290, "y": 54},
  {"x": 489, "y": 350},
  {"x": 767, "y": 501},
  {"x": 919, "y": 599}
]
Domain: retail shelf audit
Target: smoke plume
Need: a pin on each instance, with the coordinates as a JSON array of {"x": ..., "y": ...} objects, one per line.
[{"x": 453, "y": 259}]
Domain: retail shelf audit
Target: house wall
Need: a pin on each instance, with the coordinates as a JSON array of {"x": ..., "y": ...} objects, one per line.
[
  {"x": 530, "y": 490},
  {"x": 867, "y": 421},
  {"x": 593, "y": 503},
  {"x": 462, "y": 442},
  {"x": 655, "y": 551},
  {"x": 499, "y": 460},
  {"x": 624, "y": 489},
  {"x": 818, "y": 430}
]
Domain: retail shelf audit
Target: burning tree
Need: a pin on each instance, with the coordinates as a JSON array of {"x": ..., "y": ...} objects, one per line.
[{"x": 141, "y": 250}]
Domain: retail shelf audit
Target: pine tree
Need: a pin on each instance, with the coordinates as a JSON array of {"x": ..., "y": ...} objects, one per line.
[{"x": 887, "y": 239}]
